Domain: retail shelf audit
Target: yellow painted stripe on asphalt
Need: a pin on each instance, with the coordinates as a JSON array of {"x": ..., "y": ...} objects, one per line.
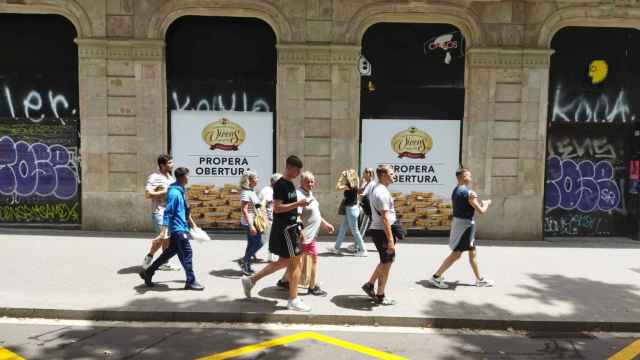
[
  {"x": 302, "y": 336},
  {"x": 630, "y": 352},
  {"x": 5, "y": 354}
]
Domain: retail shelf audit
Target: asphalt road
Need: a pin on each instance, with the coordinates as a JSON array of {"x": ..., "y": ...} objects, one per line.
[{"x": 51, "y": 339}]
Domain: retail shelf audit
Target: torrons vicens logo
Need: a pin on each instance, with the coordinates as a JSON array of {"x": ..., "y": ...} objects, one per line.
[
  {"x": 412, "y": 143},
  {"x": 224, "y": 135}
]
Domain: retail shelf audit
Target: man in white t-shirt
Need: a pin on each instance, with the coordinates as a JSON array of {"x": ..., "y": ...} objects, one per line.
[
  {"x": 266, "y": 199},
  {"x": 383, "y": 215},
  {"x": 156, "y": 190}
]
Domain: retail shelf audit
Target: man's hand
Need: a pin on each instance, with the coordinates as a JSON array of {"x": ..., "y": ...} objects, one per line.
[
  {"x": 253, "y": 231},
  {"x": 164, "y": 232},
  {"x": 302, "y": 202},
  {"x": 329, "y": 228}
]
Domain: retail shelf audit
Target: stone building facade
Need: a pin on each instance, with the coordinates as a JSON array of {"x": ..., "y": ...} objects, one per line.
[{"x": 123, "y": 97}]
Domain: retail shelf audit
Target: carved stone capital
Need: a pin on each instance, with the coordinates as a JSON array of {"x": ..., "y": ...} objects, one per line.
[
  {"x": 121, "y": 49},
  {"x": 509, "y": 58},
  {"x": 317, "y": 54}
]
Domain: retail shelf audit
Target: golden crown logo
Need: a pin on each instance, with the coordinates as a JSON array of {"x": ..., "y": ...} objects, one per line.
[
  {"x": 412, "y": 143},
  {"x": 224, "y": 135}
]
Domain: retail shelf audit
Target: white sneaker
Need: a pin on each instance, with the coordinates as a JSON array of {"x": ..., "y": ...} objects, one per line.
[
  {"x": 333, "y": 250},
  {"x": 363, "y": 253},
  {"x": 352, "y": 248},
  {"x": 484, "y": 283},
  {"x": 148, "y": 260},
  {"x": 169, "y": 267},
  {"x": 272, "y": 258},
  {"x": 438, "y": 282},
  {"x": 247, "y": 285},
  {"x": 297, "y": 305}
]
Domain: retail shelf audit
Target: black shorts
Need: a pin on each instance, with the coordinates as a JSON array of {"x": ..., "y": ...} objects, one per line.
[
  {"x": 380, "y": 240},
  {"x": 284, "y": 240},
  {"x": 465, "y": 241}
]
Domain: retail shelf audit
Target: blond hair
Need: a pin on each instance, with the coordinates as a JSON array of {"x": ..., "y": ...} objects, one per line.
[
  {"x": 307, "y": 175},
  {"x": 246, "y": 177},
  {"x": 370, "y": 172},
  {"x": 383, "y": 169},
  {"x": 348, "y": 178}
]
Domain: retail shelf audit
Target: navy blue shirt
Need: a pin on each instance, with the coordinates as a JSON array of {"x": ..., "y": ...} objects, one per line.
[{"x": 461, "y": 207}]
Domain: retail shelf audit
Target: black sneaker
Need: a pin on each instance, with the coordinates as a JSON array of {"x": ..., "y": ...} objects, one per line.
[
  {"x": 383, "y": 300},
  {"x": 283, "y": 284},
  {"x": 247, "y": 270},
  {"x": 147, "y": 278},
  {"x": 317, "y": 291},
  {"x": 194, "y": 286},
  {"x": 368, "y": 289}
]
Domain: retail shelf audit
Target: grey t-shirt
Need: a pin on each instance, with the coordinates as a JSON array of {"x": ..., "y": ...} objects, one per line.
[
  {"x": 381, "y": 199},
  {"x": 153, "y": 182},
  {"x": 311, "y": 217}
]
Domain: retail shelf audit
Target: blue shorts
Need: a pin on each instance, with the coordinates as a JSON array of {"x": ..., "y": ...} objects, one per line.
[{"x": 156, "y": 219}]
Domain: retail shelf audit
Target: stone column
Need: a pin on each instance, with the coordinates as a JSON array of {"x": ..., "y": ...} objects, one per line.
[
  {"x": 122, "y": 129},
  {"x": 318, "y": 112},
  {"x": 504, "y": 137}
]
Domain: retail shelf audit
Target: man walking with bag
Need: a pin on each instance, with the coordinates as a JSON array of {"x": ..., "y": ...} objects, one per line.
[
  {"x": 176, "y": 222},
  {"x": 463, "y": 229}
]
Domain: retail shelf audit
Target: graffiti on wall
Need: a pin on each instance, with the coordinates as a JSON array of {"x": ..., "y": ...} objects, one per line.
[
  {"x": 236, "y": 101},
  {"x": 36, "y": 104},
  {"x": 591, "y": 108},
  {"x": 584, "y": 188}
]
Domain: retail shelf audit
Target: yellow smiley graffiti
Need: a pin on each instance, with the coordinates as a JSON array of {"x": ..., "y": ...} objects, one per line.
[{"x": 598, "y": 70}]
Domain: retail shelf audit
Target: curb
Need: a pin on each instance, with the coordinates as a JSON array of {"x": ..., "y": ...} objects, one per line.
[{"x": 345, "y": 320}]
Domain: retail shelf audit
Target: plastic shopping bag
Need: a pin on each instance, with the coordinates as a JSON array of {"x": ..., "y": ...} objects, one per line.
[{"x": 198, "y": 234}]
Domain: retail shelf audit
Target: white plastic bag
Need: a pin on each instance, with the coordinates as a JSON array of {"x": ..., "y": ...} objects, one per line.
[{"x": 198, "y": 234}]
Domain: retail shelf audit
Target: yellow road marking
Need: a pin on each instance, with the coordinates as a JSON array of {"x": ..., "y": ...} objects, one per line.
[
  {"x": 5, "y": 354},
  {"x": 630, "y": 352},
  {"x": 302, "y": 336}
]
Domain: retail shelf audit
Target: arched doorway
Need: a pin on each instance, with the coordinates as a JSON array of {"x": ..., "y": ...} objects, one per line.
[
  {"x": 412, "y": 106},
  {"x": 221, "y": 79},
  {"x": 39, "y": 121},
  {"x": 592, "y": 182}
]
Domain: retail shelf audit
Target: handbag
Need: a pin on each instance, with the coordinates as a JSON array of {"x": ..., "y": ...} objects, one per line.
[{"x": 260, "y": 221}]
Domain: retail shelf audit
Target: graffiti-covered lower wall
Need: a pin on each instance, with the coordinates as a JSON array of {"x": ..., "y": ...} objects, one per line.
[
  {"x": 39, "y": 122},
  {"x": 593, "y": 102}
]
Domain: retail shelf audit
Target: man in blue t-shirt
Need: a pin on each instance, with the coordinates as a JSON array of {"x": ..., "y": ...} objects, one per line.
[
  {"x": 463, "y": 228},
  {"x": 176, "y": 223}
]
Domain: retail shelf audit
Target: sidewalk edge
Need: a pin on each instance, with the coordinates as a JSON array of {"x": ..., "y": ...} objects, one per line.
[{"x": 395, "y": 321}]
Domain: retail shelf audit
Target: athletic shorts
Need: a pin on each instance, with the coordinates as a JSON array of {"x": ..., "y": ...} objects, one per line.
[
  {"x": 465, "y": 241},
  {"x": 156, "y": 219},
  {"x": 284, "y": 240},
  {"x": 380, "y": 240},
  {"x": 311, "y": 249}
]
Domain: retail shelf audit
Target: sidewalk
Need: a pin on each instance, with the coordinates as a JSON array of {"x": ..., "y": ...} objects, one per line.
[{"x": 564, "y": 285}]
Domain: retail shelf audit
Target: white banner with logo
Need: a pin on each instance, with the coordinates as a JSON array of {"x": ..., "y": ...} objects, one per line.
[
  {"x": 218, "y": 147},
  {"x": 425, "y": 156}
]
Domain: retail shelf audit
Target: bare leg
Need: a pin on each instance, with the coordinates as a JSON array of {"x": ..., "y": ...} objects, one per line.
[
  {"x": 376, "y": 274},
  {"x": 312, "y": 276},
  {"x": 294, "y": 276},
  {"x": 270, "y": 269},
  {"x": 156, "y": 244},
  {"x": 473, "y": 260},
  {"x": 452, "y": 258},
  {"x": 384, "y": 276}
]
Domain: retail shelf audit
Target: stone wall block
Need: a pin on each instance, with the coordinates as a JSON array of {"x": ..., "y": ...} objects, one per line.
[
  {"x": 319, "y": 30},
  {"x": 125, "y": 106},
  {"x": 505, "y": 148},
  {"x": 317, "y": 90},
  {"x": 317, "y": 127},
  {"x": 340, "y": 109},
  {"x": 317, "y": 109},
  {"x": 123, "y": 162},
  {"x": 124, "y": 144},
  {"x": 507, "y": 130},
  {"x": 509, "y": 76},
  {"x": 505, "y": 167},
  {"x": 506, "y": 186},
  {"x": 120, "y": 26},
  {"x": 508, "y": 92},
  {"x": 120, "y": 68},
  {"x": 121, "y": 86},
  {"x": 317, "y": 164},
  {"x": 318, "y": 72},
  {"x": 317, "y": 146},
  {"x": 122, "y": 125},
  {"x": 508, "y": 111},
  {"x": 123, "y": 182}
]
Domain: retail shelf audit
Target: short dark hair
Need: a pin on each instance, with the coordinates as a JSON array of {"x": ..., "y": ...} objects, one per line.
[
  {"x": 164, "y": 159},
  {"x": 294, "y": 161},
  {"x": 383, "y": 169},
  {"x": 461, "y": 171},
  {"x": 180, "y": 172}
]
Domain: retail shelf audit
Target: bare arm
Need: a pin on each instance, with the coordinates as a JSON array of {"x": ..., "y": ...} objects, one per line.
[
  {"x": 327, "y": 226},
  {"x": 279, "y": 207},
  {"x": 387, "y": 229},
  {"x": 153, "y": 194},
  {"x": 341, "y": 187},
  {"x": 244, "y": 206},
  {"x": 480, "y": 206}
]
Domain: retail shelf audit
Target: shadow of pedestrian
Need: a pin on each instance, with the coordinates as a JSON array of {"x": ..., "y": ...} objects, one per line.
[
  {"x": 158, "y": 287},
  {"x": 452, "y": 285},
  {"x": 354, "y": 302},
  {"x": 130, "y": 270},
  {"x": 226, "y": 273},
  {"x": 274, "y": 292}
]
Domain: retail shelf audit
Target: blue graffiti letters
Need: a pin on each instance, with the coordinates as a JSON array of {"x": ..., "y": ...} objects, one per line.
[
  {"x": 36, "y": 169},
  {"x": 584, "y": 186}
]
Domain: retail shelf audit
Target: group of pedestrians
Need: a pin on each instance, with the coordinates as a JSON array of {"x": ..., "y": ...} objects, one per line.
[{"x": 289, "y": 218}]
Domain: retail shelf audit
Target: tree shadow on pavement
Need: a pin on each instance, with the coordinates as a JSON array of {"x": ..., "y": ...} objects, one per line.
[
  {"x": 226, "y": 273},
  {"x": 274, "y": 292},
  {"x": 158, "y": 340},
  {"x": 130, "y": 270},
  {"x": 561, "y": 299}
]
